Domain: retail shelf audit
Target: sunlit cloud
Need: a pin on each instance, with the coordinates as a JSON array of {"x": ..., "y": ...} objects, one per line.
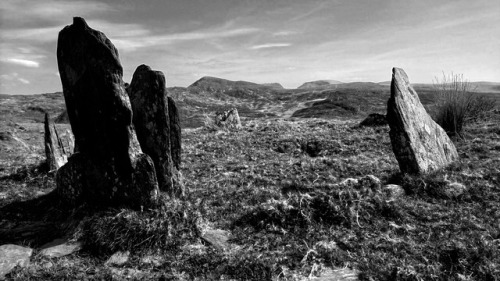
[
  {"x": 24, "y": 81},
  {"x": 270, "y": 45},
  {"x": 22, "y": 62}
]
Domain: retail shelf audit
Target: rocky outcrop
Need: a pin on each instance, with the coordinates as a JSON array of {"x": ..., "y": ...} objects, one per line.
[
  {"x": 109, "y": 167},
  {"x": 57, "y": 148},
  {"x": 419, "y": 144},
  {"x": 157, "y": 123},
  {"x": 228, "y": 119}
]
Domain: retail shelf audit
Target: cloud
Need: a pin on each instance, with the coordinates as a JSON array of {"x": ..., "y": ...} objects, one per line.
[
  {"x": 24, "y": 81},
  {"x": 22, "y": 62},
  {"x": 144, "y": 38},
  {"x": 284, "y": 33},
  {"x": 14, "y": 77},
  {"x": 49, "y": 10},
  {"x": 270, "y": 45}
]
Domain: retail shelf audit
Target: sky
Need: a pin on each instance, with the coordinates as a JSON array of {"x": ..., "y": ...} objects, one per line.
[{"x": 263, "y": 41}]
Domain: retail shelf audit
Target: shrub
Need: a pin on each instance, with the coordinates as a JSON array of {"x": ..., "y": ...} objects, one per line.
[{"x": 458, "y": 103}]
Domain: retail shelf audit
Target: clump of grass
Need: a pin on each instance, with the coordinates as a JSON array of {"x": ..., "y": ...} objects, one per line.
[
  {"x": 165, "y": 228},
  {"x": 346, "y": 206},
  {"x": 458, "y": 103}
]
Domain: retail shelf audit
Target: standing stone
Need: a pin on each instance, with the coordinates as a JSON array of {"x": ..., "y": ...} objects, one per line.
[
  {"x": 419, "y": 144},
  {"x": 153, "y": 122},
  {"x": 229, "y": 118},
  {"x": 109, "y": 167},
  {"x": 55, "y": 151},
  {"x": 175, "y": 133}
]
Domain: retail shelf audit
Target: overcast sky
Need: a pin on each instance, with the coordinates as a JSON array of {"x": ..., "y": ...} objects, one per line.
[{"x": 263, "y": 41}]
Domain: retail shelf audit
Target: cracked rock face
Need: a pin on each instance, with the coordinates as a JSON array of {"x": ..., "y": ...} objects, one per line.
[
  {"x": 58, "y": 147},
  {"x": 109, "y": 167},
  {"x": 419, "y": 144},
  {"x": 156, "y": 120}
]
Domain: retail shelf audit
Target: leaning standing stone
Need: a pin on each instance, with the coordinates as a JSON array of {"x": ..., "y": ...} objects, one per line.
[
  {"x": 419, "y": 144},
  {"x": 153, "y": 124},
  {"x": 109, "y": 167}
]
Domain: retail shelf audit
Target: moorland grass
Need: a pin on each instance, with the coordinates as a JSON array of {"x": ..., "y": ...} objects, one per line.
[{"x": 290, "y": 219}]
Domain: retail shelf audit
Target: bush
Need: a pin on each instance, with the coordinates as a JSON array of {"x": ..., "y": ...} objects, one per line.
[{"x": 458, "y": 103}]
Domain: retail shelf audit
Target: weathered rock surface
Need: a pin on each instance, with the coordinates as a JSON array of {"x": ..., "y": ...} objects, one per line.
[
  {"x": 56, "y": 152},
  {"x": 118, "y": 259},
  {"x": 109, "y": 167},
  {"x": 419, "y": 144},
  {"x": 12, "y": 256},
  {"x": 175, "y": 133},
  {"x": 229, "y": 118},
  {"x": 340, "y": 274},
  {"x": 153, "y": 122},
  {"x": 60, "y": 248},
  {"x": 217, "y": 238},
  {"x": 374, "y": 120}
]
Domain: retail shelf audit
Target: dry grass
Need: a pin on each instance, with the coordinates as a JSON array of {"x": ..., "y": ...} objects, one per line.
[{"x": 274, "y": 185}]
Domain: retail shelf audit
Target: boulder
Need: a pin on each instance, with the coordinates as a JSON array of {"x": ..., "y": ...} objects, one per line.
[
  {"x": 153, "y": 122},
  {"x": 109, "y": 167},
  {"x": 374, "y": 120},
  {"x": 229, "y": 118},
  {"x": 419, "y": 144},
  {"x": 56, "y": 152},
  {"x": 12, "y": 256}
]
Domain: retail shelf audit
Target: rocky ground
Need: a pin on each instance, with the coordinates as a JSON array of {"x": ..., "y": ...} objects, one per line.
[{"x": 284, "y": 199}]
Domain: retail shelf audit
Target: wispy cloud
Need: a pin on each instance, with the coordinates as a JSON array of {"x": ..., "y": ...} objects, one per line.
[
  {"x": 148, "y": 39},
  {"x": 50, "y": 10},
  {"x": 270, "y": 45},
  {"x": 22, "y": 62},
  {"x": 24, "y": 81}
]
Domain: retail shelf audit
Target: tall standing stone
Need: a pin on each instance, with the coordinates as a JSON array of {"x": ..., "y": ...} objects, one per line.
[
  {"x": 55, "y": 150},
  {"x": 157, "y": 124},
  {"x": 109, "y": 167},
  {"x": 419, "y": 144}
]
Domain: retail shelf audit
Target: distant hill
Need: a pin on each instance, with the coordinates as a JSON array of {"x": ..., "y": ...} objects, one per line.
[
  {"x": 276, "y": 86},
  {"x": 319, "y": 84},
  {"x": 208, "y": 83}
]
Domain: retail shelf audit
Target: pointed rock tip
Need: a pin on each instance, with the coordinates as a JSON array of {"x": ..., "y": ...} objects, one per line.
[
  {"x": 399, "y": 74},
  {"x": 79, "y": 22},
  {"x": 143, "y": 67}
]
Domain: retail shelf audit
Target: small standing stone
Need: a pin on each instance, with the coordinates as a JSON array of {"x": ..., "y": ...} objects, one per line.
[
  {"x": 55, "y": 151},
  {"x": 419, "y": 144}
]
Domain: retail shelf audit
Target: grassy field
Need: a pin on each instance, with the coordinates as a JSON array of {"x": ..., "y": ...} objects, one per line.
[{"x": 295, "y": 195}]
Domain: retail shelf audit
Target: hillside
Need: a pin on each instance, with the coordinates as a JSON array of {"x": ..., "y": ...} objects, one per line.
[{"x": 319, "y": 84}]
